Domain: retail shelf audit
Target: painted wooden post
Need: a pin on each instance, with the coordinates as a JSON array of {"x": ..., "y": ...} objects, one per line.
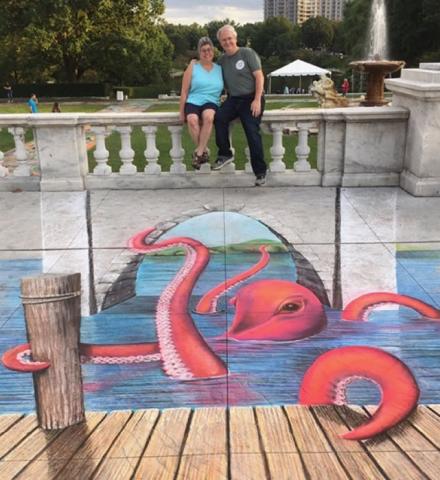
[{"x": 52, "y": 307}]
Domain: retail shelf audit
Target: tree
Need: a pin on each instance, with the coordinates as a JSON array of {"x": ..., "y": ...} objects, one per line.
[
  {"x": 354, "y": 28},
  {"x": 317, "y": 32},
  {"x": 64, "y": 39}
]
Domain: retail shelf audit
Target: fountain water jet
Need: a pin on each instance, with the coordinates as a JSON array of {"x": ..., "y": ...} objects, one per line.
[{"x": 377, "y": 66}]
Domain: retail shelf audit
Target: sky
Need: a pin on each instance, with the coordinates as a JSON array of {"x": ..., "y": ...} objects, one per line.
[{"x": 190, "y": 11}]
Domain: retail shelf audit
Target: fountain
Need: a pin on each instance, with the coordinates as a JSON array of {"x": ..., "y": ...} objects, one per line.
[{"x": 377, "y": 67}]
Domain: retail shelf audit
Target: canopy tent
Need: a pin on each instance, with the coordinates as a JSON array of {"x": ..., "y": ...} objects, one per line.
[{"x": 298, "y": 68}]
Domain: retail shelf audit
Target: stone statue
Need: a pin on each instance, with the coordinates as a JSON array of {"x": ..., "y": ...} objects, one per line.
[{"x": 324, "y": 91}]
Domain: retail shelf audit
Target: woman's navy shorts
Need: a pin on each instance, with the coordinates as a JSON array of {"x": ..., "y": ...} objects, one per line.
[{"x": 190, "y": 108}]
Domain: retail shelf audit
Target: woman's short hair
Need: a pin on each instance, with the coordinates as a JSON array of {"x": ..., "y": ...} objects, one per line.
[
  {"x": 204, "y": 41},
  {"x": 230, "y": 28}
]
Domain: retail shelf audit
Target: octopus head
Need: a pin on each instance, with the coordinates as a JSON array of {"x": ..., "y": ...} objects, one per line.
[{"x": 276, "y": 310}]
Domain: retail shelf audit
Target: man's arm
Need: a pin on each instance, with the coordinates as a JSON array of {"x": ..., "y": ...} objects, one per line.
[{"x": 259, "y": 88}]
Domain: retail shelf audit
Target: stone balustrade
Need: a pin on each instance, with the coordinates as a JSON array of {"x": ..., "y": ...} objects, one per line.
[{"x": 356, "y": 146}]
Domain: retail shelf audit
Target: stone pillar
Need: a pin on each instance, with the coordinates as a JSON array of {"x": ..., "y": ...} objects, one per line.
[
  {"x": 23, "y": 168},
  {"x": 418, "y": 90},
  {"x": 61, "y": 148},
  {"x": 177, "y": 152},
  {"x": 3, "y": 170},
  {"x": 151, "y": 152},
  {"x": 277, "y": 149}
]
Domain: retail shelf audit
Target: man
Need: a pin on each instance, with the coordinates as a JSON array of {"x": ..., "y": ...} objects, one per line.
[
  {"x": 244, "y": 83},
  {"x": 33, "y": 103}
]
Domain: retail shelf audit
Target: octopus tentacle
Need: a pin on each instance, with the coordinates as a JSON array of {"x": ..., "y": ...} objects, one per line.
[
  {"x": 358, "y": 308},
  {"x": 185, "y": 353},
  {"x": 18, "y": 359},
  {"x": 327, "y": 378},
  {"x": 208, "y": 303}
]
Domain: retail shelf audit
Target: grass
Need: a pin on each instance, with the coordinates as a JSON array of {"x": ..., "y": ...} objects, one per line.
[
  {"x": 163, "y": 142},
  {"x": 6, "y": 140}
]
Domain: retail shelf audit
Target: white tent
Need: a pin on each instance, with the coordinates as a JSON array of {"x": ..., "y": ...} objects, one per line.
[{"x": 298, "y": 68}]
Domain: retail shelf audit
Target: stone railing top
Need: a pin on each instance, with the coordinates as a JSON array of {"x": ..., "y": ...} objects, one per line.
[{"x": 170, "y": 118}]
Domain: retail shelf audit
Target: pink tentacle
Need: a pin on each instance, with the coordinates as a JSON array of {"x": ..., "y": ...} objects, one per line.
[
  {"x": 185, "y": 353},
  {"x": 327, "y": 378},
  {"x": 358, "y": 308},
  {"x": 208, "y": 303},
  {"x": 15, "y": 359}
]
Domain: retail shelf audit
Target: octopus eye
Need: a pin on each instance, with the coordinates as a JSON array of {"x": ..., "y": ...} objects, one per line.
[{"x": 291, "y": 307}]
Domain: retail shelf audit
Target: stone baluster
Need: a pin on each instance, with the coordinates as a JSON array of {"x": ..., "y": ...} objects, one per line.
[
  {"x": 101, "y": 153},
  {"x": 126, "y": 153},
  {"x": 248, "y": 166},
  {"x": 277, "y": 149},
  {"x": 302, "y": 150},
  {"x": 177, "y": 152},
  {"x": 3, "y": 170},
  {"x": 23, "y": 168},
  {"x": 151, "y": 152}
]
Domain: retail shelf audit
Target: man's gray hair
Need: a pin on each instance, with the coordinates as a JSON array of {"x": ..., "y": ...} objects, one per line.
[
  {"x": 204, "y": 41},
  {"x": 225, "y": 28}
]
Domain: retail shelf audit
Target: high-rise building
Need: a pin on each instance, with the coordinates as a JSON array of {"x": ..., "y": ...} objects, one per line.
[
  {"x": 298, "y": 11},
  {"x": 281, "y": 8},
  {"x": 333, "y": 9}
]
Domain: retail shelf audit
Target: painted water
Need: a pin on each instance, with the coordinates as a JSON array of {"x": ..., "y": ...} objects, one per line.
[
  {"x": 378, "y": 33},
  {"x": 260, "y": 373}
]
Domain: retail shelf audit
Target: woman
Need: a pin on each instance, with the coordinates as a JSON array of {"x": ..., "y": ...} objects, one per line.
[{"x": 202, "y": 85}]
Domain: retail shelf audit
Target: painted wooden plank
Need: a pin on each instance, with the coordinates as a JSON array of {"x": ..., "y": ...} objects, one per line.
[
  {"x": 123, "y": 456},
  {"x": 435, "y": 408},
  {"x": 243, "y": 432},
  {"x": 58, "y": 453},
  {"x": 334, "y": 426},
  {"x": 406, "y": 436},
  {"x": 16, "y": 433},
  {"x": 429, "y": 462},
  {"x": 397, "y": 466},
  {"x": 207, "y": 433},
  {"x": 167, "y": 437},
  {"x": 285, "y": 466},
  {"x": 8, "y": 470},
  {"x": 323, "y": 465},
  {"x": 157, "y": 468},
  {"x": 248, "y": 466},
  {"x": 308, "y": 435},
  {"x": 427, "y": 422},
  {"x": 360, "y": 466},
  {"x": 354, "y": 416},
  {"x": 91, "y": 452},
  {"x": 7, "y": 421},
  {"x": 274, "y": 430},
  {"x": 202, "y": 467}
]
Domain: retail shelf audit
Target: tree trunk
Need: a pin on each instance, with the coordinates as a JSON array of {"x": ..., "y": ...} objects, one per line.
[{"x": 52, "y": 306}]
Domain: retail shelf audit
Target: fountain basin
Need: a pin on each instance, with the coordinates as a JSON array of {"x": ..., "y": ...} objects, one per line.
[{"x": 377, "y": 70}]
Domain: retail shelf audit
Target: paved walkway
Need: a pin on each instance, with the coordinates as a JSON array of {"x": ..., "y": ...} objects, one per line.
[{"x": 337, "y": 243}]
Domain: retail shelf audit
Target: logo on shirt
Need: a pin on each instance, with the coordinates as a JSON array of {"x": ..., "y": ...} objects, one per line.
[{"x": 239, "y": 65}]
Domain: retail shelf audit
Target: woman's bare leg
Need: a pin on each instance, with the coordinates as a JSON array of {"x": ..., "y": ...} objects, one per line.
[{"x": 205, "y": 131}]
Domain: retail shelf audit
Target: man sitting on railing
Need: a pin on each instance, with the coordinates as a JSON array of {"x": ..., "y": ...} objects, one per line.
[{"x": 244, "y": 82}]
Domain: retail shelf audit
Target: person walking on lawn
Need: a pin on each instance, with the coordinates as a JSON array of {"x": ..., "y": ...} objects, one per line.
[{"x": 244, "y": 83}]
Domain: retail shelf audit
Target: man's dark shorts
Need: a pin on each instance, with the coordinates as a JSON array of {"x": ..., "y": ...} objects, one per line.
[{"x": 190, "y": 108}]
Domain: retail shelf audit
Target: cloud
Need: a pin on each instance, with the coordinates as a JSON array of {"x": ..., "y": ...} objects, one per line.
[{"x": 189, "y": 11}]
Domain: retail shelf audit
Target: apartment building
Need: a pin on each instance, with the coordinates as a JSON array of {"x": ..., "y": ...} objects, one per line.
[{"x": 298, "y": 11}]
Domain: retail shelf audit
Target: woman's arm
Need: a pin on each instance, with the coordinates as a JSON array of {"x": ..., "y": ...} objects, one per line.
[{"x": 186, "y": 85}]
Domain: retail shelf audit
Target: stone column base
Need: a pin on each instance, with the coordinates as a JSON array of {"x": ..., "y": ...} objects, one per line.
[{"x": 420, "y": 187}]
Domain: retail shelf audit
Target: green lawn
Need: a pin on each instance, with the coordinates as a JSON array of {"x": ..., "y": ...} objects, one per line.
[
  {"x": 6, "y": 140},
  {"x": 163, "y": 142}
]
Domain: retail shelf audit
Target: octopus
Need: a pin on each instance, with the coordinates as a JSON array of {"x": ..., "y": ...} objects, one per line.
[{"x": 266, "y": 310}]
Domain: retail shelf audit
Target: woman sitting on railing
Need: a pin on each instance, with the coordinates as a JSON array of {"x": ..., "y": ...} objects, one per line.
[{"x": 202, "y": 85}]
